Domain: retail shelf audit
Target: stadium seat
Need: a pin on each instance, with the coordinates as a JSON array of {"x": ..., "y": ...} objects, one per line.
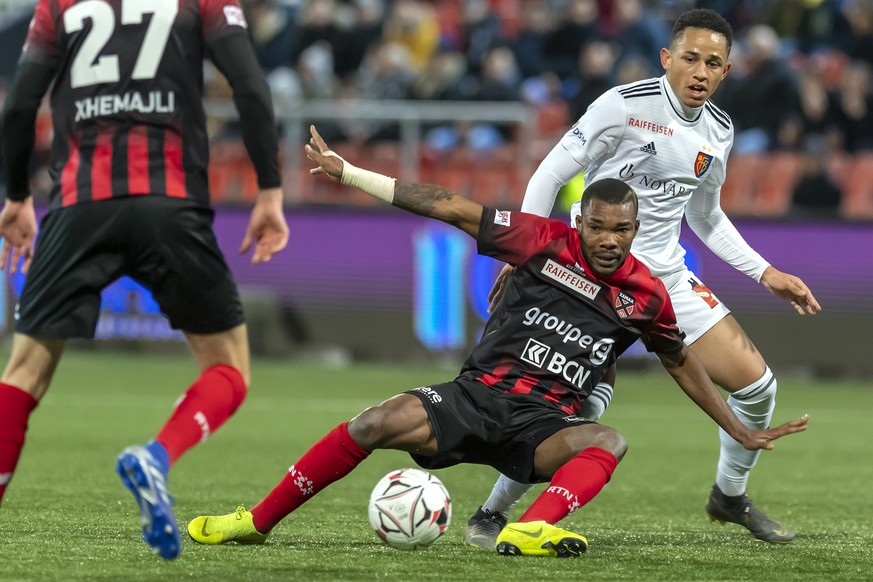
[
  {"x": 858, "y": 188},
  {"x": 737, "y": 191},
  {"x": 777, "y": 177},
  {"x": 553, "y": 120},
  {"x": 490, "y": 187}
]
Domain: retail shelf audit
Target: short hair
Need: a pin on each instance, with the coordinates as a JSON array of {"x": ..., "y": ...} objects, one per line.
[
  {"x": 611, "y": 191},
  {"x": 702, "y": 18}
]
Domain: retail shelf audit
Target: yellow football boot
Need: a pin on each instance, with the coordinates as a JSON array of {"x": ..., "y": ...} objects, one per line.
[
  {"x": 538, "y": 538},
  {"x": 220, "y": 529}
]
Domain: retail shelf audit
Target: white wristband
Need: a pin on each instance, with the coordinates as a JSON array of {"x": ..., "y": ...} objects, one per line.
[{"x": 374, "y": 184}]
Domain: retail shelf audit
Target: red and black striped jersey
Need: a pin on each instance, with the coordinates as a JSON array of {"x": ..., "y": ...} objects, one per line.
[
  {"x": 127, "y": 98},
  {"x": 560, "y": 326}
]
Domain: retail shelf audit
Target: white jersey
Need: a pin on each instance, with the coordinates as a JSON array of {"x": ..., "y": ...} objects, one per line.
[{"x": 672, "y": 155}]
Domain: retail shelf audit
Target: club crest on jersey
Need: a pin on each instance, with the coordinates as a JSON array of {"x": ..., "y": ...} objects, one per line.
[
  {"x": 501, "y": 217},
  {"x": 570, "y": 279},
  {"x": 702, "y": 163},
  {"x": 624, "y": 305}
]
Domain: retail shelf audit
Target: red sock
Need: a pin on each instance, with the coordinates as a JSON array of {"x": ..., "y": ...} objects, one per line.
[
  {"x": 208, "y": 403},
  {"x": 15, "y": 408},
  {"x": 328, "y": 460},
  {"x": 576, "y": 483}
]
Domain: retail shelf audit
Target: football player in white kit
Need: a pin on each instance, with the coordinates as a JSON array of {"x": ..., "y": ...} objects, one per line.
[{"x": 664, "y": 138}]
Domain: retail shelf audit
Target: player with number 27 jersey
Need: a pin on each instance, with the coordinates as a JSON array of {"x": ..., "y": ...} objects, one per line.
[{"x": 127, "y": 103}]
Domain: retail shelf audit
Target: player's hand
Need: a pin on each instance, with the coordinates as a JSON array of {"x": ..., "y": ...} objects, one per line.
[
  {"x": 267, "y": 228},
  {"x": 328, "y": 162},
  {"x": 792, "y": 289},
  {"x": 499, "y": 287},
  {"x": 763, "y": 439},
  {"x": 18, "y": 229}
]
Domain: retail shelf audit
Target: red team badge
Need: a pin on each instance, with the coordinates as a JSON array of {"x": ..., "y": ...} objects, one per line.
[
  {"x": 624, "y": 305},
  {"x": 702, "y": 163},
  {"x": 703, "y": 292}
]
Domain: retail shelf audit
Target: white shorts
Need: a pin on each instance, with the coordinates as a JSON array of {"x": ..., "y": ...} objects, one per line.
[{"x": 697, "y": 308}]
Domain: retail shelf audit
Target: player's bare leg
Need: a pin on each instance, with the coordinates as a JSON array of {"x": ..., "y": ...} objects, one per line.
[
  {"x": 25, "y": 380},
  {"x": 206, "y": 405},
  {"x": 734, "y": 363}
]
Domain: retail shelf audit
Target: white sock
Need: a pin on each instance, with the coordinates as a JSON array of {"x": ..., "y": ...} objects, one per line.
[
  {"x": 753, "y": 405},
  {"x": 505, "y": 494},
  {"x": 597, "y": 402}
]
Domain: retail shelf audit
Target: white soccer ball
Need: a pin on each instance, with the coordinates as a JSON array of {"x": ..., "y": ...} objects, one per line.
[{"x": 410, "y": 509}]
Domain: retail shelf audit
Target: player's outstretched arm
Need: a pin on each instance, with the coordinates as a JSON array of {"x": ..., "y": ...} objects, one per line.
[
  {"x": 790, "y": 288},
  {"x": 424, "y": 199},
  {"x": 267, "y": 228},
  {"x": 688, "y": 371}
]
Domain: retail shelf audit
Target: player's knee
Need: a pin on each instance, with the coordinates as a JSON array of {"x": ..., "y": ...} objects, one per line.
[
  {"x": 372, "y": 427},
  {"x": 396, "y": 423},
  {"x": 610, "y": 440}
]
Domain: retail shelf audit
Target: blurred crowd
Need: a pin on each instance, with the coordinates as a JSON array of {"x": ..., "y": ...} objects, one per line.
[{"x": 800, "y": 80}]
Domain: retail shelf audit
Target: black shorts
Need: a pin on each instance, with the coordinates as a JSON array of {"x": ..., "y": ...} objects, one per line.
[
  {"x": 165, "y": 244},
  {"x": 475, "y": 423}
]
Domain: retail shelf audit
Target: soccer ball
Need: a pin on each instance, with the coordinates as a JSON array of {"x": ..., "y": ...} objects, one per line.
[{"x": 410, "y": 509}]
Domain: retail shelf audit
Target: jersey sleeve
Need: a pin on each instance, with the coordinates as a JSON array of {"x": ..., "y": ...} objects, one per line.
[
  {"x": 42, "y": 45},
  {"x": 515, "y": 237},
  {"x": 663, "y": 334},
  {"x": 595, "y": 135},
  {"x": 220, "y": 18}
]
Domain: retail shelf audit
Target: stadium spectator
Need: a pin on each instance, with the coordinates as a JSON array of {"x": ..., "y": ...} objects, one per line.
[
  {"x": 638, "y": 32},
  {"x": 365, "y": 33},
  {"x": 413, "y": 25},
  {"x": 537, "y": 22},
  {"x": 271, "y": 25},
  {"x": 507, "y": 409},
  {"x": 854, "y": 108},
  {"x": 857, "y": 43},
  {"x": 816, "y": 195},
  {"x": 316, "y": 22},
  {"x": 387, "y": 73},
  {"x": 578, "y": 25},
  {"x": 815, "y": 118},
  {"x": 646, "y": 134},
  {"x": 763, "y": 95},
  {"x": 595, "y": 75},
  {"x": 481, "y": 33},
  {"x": 130, "y": 197}
]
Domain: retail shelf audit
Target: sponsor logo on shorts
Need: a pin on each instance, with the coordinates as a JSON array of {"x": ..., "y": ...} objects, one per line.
[
  {"x": 702, "y": 291},
  {"x": 430, "y": 393},
  {"x": 570, "y": 279},
  {"x": 575, "y": 419},
  {"x": 535, "y": 353},
  {"x": 501, "y": 217}
]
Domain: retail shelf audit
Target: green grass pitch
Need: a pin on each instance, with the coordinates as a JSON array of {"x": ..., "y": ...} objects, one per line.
[{"x": 67, "y": 517}]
